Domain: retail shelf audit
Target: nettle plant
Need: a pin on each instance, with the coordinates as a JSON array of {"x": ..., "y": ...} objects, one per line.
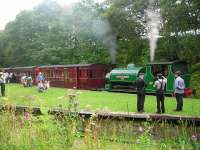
[{"x": 73, "y": 102}]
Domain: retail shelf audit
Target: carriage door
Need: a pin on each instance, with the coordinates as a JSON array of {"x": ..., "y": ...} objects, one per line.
[
  {"x": 83, "y": 78},
  {"x": 70, "y": 77}
]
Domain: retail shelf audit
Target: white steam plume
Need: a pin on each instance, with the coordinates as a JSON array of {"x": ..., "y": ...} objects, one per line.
[
  {"x": 103, "y": 31},
  {"x": 153, "y": 27},
  {"x": 87, "y": 21}
]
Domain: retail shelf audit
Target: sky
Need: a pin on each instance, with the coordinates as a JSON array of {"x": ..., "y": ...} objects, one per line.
[{"x": 10, "y": 8}]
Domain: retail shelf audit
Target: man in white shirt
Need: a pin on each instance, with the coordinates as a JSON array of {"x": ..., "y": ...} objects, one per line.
[
  {"x": 2, "y": 83},
  {"x": 160, "y": 85}
]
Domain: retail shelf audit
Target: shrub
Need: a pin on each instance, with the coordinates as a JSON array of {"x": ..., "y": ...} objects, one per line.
[{"x": 195, "y": 78}]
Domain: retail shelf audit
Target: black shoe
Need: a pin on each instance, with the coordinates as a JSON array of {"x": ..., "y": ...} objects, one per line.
[
  {"x": 141, "y": 111},
  {"x": 177, "y": 110},
  {"x": 158, "y": 112}
]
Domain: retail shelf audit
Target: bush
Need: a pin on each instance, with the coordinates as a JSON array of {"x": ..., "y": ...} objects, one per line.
[{"x": 195, "y": 78}]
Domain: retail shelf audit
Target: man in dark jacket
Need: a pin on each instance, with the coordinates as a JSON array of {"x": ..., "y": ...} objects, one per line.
[{"x": 140, "y": 88}]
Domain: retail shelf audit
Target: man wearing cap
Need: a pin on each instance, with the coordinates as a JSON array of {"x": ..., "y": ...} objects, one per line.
[
  {"x": 2, "y": 83},
  {"x": 179, "y": 86},
  {"x": 160, "y": 85},
  {"x": 140, "y": 88}
]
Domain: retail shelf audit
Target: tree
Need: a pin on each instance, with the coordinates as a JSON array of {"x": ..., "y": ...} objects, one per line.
[
  {"x": 50, "y": 35},
  {"x": 181, "y": 24}
]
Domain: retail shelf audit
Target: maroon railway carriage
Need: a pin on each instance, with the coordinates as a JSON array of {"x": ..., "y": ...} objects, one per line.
[
  {"x": 4, "y": 69},
  {"x": 54, "y": 74},
  {"x": 80, "y": 76},
  {"x": 88, "y": 76}
]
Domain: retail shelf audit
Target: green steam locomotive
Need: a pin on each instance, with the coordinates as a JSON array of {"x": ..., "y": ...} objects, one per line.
[{"x": 124, "y": 79}]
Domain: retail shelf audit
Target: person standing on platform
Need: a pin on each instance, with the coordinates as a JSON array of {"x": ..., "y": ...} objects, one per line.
[
  {"x": 179, "y": 86},
  {"x": 140, "y": 89},
  {"x": 2, "y": 83},
  {"x": 160, "y": 85}
]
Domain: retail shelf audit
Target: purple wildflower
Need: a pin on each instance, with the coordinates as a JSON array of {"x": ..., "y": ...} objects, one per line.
[
  {"x": 26, "y": 114},
  {"x": 194, "y": 138}
]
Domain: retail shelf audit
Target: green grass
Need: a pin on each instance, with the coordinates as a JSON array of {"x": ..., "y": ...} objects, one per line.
[
  {"x": 18, "y": 132},
  {"x": 48, "y": 132},
  {"x": 93, "y": 100}
]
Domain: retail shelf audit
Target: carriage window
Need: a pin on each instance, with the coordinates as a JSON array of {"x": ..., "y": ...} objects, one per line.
[
  {"x": 71, "y": 73},
  {"x": 183, "y": 67},
  {"x": 83, "y": 73},
  {"x": 28, "y": 73},
  {"x": 155, "y": 69},
  {"x": 93, "y": 73},
  {"x": 59, "y": 74},
  {"x": 45, "y": 74},
  {"x": 98, "y": 73},
  {"x": 52, "y": 73},
  {"x": 48, "y": 73}
]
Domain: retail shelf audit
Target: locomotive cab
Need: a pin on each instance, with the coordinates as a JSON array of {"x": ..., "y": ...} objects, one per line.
[{"x": 168, "y": 69}]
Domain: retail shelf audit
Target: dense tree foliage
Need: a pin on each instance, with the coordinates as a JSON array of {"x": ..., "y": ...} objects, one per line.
[
  {"x": 51, "y": 34},
  {"x": 181, "y": 30},
  {"x": 88, "y": 32}
]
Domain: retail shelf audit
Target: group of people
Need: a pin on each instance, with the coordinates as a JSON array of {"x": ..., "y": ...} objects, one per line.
[
  {"x": 160, "y": 86},
  {"x": 42, "y": 84},
  {"x": 26, "y": 80},
  {"x": 6, "y": 77}
]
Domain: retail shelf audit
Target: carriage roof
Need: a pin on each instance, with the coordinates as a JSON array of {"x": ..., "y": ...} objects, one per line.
[{"x": 165, "y": 63}]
